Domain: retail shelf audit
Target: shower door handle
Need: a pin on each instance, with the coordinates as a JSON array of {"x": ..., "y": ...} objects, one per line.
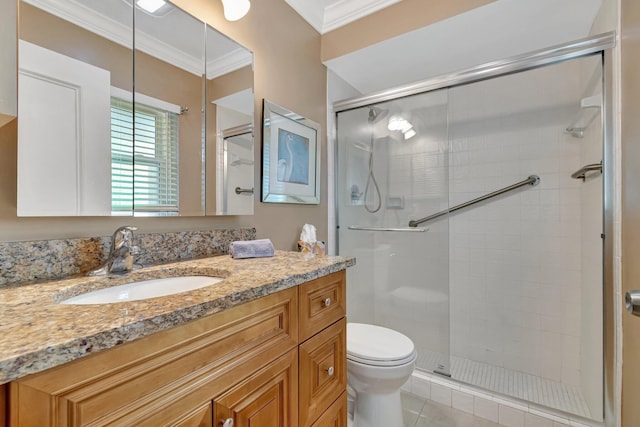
[{"x": 632, "y": 302}]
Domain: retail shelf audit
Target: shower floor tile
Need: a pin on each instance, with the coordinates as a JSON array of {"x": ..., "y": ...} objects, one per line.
[{"x": 527, "y": 387}]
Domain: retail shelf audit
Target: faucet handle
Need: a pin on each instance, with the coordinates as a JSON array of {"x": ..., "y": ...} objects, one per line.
[
  {"x": 124, "y": 232},
  {"x": 123, "y": 236},
  {"x": 125, "y": 229}
]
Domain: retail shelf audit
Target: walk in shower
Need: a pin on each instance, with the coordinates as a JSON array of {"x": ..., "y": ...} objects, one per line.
[{"x": 504, "y": 293}]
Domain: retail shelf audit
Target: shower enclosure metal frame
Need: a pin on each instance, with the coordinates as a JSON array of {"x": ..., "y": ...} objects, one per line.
[{"x": 600, "y": 44}]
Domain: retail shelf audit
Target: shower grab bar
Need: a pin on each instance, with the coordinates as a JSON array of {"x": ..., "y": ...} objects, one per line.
[
  {"x": 582, "y": 172},
  {"x": 402, "y": 229},
  {"x": 533, "y": 180}
]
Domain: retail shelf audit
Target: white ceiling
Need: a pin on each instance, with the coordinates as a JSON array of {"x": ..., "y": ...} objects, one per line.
[{"x": 498, "y": 30}]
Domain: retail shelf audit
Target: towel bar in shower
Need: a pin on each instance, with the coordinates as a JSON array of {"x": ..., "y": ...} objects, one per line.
[
  {"x": 402, "y": 229},
  {"x": 531, "y": 180},
  {"x": 582, "y": 172},
  {"x": 244, "y": 190}
]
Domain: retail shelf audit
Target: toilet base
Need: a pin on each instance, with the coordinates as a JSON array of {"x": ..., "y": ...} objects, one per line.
[{"x": 378, "y": 410}]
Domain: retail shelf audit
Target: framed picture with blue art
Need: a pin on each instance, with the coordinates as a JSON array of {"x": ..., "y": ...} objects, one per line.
[{"x": 290, "y": 156}]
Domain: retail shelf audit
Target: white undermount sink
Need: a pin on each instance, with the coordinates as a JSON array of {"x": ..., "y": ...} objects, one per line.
[{"x": 144, "y": 289}]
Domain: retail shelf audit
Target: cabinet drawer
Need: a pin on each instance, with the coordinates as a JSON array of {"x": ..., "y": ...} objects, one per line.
[
  {"x": 336, "y": 415},
  {"x": 322, "y": 302},
  {"x": 323, "y": 371}
]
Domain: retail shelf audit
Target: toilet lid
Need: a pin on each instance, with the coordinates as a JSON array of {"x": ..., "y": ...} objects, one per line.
[{"x": 378, "y": 345}]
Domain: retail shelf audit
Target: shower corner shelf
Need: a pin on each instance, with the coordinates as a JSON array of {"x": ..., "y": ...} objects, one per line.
[{"x": 589, "y": 110}]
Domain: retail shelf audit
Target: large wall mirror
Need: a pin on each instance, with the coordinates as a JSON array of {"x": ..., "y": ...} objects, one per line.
[{"x": 93, "y": 143}]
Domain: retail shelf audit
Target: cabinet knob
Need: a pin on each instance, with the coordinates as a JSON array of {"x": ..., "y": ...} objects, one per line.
[
  {"x": 330, "y": 371},
  {"x": 227, "y": 423},
  {"x": 327, "y": 302}
]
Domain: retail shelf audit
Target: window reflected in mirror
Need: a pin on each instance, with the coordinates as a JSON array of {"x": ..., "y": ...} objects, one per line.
[{"x": 154, "y": 145}]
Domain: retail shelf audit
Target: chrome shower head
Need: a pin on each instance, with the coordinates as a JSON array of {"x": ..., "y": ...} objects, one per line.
[{"x": 376, "y": 114}]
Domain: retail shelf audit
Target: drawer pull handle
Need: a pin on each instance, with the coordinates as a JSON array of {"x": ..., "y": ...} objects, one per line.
[
  {"x": 227, "y": 423},
  {"x": 330, "y": 371},
  {"x": 327, "y": 302}
]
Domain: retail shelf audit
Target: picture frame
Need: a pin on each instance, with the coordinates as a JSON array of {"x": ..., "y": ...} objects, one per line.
[{"x": 290, "y": 157}]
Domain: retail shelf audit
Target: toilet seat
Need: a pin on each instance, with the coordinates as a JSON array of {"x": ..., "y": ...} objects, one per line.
[{"x": 378, "y": 346}]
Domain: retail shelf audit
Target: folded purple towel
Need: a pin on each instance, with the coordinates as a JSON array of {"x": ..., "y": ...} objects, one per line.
[{"x": 251, "y": 248}]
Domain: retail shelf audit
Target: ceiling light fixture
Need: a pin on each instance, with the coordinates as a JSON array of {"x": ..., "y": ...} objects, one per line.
[
  {"x": 396, "y": 123},
  {"x": 235, "y": 9},
  {"x": 151, "y": 5}
]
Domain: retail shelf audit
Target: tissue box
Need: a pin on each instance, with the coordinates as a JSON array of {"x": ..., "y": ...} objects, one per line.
[{"x": 316, "y": 248}]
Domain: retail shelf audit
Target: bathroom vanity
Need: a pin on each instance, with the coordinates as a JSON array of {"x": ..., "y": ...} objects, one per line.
[{"x": 272, "y": 352}]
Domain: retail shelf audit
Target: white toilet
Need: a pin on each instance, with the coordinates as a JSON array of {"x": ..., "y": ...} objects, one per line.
[{"x": 379, "y": 362}]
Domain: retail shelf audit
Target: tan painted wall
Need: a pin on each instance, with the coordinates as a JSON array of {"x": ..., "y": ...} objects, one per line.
[
  {"x": 288, "y": 72},
  {"x": 630, "y": 39},
  {"x": 400, "y": 18},
  {"x": 230, "y": 83}
]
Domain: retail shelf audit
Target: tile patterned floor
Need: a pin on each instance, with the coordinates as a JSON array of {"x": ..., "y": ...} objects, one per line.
[
  {"x": 419, "y": 412},
  {"x": 523, "y": 386}
]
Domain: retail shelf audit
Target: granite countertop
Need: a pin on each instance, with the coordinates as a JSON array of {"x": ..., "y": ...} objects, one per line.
[{"x": 37, "y": 333}]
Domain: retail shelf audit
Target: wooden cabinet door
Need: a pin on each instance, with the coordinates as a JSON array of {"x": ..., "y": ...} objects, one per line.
[
  {"x": 336, "y": 415},
  {"x": 268, "y": 398},
  {"x": 3, "y": 405},
  {"x": 323, "y": 371}
]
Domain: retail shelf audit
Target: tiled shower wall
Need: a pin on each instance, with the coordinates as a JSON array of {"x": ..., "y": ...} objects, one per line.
[{"x": 516, "y": 262}]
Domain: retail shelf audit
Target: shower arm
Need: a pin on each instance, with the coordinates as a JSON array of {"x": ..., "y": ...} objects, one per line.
[{"x": 532, "y": 180}]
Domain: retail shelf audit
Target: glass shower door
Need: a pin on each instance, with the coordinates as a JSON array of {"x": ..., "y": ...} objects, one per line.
[
  {"x": 526, "y": 268},
  {"x": 393, "y": 167}
]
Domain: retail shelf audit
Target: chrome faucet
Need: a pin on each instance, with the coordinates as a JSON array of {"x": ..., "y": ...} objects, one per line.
[{"x": 121, "y": 255}]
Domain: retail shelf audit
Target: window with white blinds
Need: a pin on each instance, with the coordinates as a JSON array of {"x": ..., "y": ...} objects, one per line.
[{"x": 144, "y": 163}]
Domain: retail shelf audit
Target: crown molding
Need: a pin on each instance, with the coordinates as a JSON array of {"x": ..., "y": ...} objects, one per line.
[
  {"x": 344, "y": 12},
  {"x": 87, "y": 18},
  {"x": 229, "y": 62},
  {"x": 167, "y": 53},
  {"x": 312, "y": 11}
]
